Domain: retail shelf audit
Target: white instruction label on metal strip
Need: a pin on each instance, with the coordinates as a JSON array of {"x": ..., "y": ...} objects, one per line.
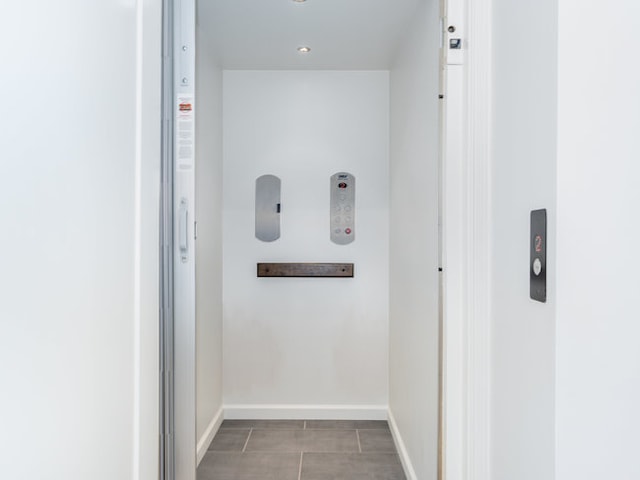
[{"x": 185, "y": 133}]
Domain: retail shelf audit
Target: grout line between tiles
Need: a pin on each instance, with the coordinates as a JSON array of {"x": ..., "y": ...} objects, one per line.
[
  {"x": 300, "y": 468},
  {"x": 247, "y": 442},
  {"x": 305, "y": 425},
  {"x": 358, "y": 437}
]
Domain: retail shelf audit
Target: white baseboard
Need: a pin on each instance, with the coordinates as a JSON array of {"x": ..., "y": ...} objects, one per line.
[
  {"x": 306, "y": 412},
  {"x": 402, "y": 450},
  {"x": 209, "y": 433}
]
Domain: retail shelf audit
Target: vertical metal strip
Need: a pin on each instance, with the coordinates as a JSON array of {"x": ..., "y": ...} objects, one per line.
[
  {"x": 184, "y": 296},
  {"x": 167, "y": 447},
  {"x": 441, "y": 159}
]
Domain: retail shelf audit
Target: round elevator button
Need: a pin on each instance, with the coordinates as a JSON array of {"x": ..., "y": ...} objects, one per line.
[{"x": 537, "y": 267}]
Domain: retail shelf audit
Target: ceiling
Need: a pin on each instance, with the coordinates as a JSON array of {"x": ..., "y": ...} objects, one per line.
[{"x": 342, "y": 34}]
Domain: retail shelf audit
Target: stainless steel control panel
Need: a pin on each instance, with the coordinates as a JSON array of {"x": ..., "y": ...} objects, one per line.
[
  {"x": 268, "y": 208},
  {"x": 343, "y": 208}
]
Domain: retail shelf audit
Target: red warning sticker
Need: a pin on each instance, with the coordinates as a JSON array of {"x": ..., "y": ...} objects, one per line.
[{"x": 185, "y": 107}]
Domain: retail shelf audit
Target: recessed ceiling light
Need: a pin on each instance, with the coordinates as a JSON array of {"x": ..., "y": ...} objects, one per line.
[
  {"x": 304, "y": 49},
  {"x": 299, "y": 1}
]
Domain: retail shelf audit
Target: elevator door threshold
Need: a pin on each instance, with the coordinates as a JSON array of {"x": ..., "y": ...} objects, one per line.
[{"x": 302, "y": 450}]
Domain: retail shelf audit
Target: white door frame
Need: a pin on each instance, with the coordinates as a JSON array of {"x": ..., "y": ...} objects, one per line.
[
  {"x": 466, "y": 183},
  {"x": 466, "y": 199},
  {"x": 180, "y": 363}
]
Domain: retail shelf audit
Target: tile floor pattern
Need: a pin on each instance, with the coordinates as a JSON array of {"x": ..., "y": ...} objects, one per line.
[{"x": 302, "y": 450}]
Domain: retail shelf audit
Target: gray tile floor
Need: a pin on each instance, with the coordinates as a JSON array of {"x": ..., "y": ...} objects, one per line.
[{"x": 302, "y": 450}]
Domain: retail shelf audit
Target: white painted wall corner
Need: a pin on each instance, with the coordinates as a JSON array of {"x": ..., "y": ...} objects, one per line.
[
  {"x": 409, "y": 471},
  {"x": 209, "y": 433}
]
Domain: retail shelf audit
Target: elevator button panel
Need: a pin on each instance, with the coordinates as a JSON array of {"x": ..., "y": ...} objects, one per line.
[
  {"x": 538, "y": 256},
  {"x": 268, "y": 208},
  {"x": 342, "y": 211}
]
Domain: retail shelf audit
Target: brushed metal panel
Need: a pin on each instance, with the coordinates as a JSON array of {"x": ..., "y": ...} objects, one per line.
[
  {"x": 343, "y": 208},
  {"x": 268, "y": 208}
]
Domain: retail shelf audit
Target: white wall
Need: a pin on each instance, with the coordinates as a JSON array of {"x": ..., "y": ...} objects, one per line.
[
  {"x": 414, "y": 241},
  {"x": 566, "y": 395},
  {"x": 598, "y": 359},
  {"x": 79, "y": 214},
  {"x": 524, "y": 178},
  {"x": 305, "y": 342},
  {"x": 209, "y": 241}
]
